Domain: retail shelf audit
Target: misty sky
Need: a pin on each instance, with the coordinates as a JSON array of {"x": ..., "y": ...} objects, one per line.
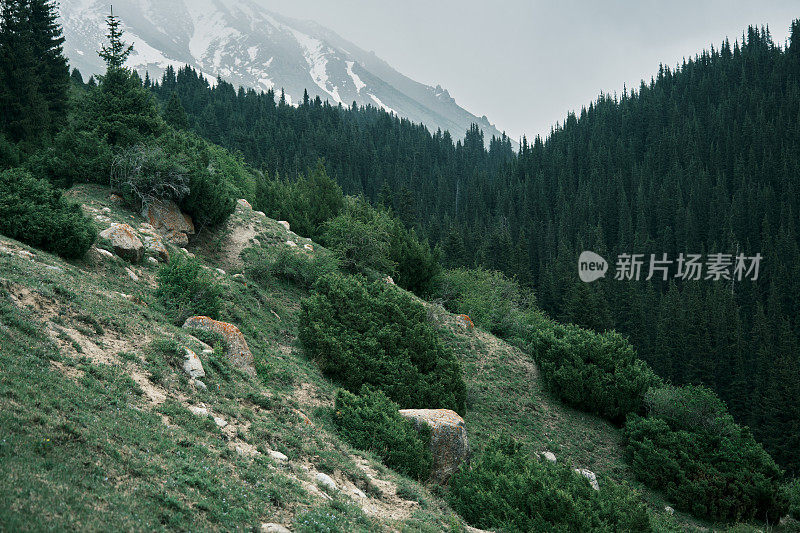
[{"x": 526, "y": 63}]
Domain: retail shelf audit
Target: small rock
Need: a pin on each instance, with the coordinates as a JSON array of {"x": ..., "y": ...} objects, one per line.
[
  {"x": 285, "y": 225},
  {"x": 274, "y": 528},
  {"x": 240, "y": 278},
  {"x": 55, "y": 268},
  {"x": 192, "y": 364},
  {"x": 198, "y": 410},
  {"x": 220, "y": 422},
  {"x": 326, "y": 481},
  {"x": 669, "y": 510},
  {"x": 152, "y": 261},
  {"x": 105, "y": 253},
  {"x": 291, "y": 244},
  {"x": 200, "y": 385},
  {"x": 131, "y": 274},
  {"x": 308, "y": 247},
  {"x": 187, "y": 252},
  {"x": 220, "y": 272},
  {"x": 278, "y": 456},
  {"x": 550, "y": 456},
  {"x": 359, "y": 493},
  {"x": 588, "y": 474},
  {"x": 236, "y": 345},
  {"x": 260, "y": 213},
  {"x": 208, "y": 351},
  {"x": 244, "y": 204},
  {"x": 389, "y": 280},
  {"x": 178, "y": 238},
  {"x": 106, "y": 210},
  {"x": 25, "y": 254},
  {"x": 115, "y": 198}
]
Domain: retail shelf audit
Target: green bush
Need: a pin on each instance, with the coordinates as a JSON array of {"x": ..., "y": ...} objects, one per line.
[
  {"x": 493, "y": 301},
  {"x": 186, "y": 289},
  {"x": 77, "y": 156},
  {"x": 791, "y": 493},
  {"x": 142, "y": 174},
  {"x": 33, "y": 212},
  {"x": 596, "y": 372},
  {"x": 370, "y": 421},
  {"x": 722, "y": 476},
  {"x": 306, "y": 203},
  {"x": 505, "y": 489},
  {"x": 373, "y": 333},
  {"x": 290, "y": 264}
]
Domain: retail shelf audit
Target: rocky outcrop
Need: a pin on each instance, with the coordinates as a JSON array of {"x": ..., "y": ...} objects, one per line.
[
  {"x": 235, "y": 344},
  {"x": 449, "y": 442},
  {"x": 153, "y": 243},
  {"x": 125, "y": 242},
  {"x": 168, "y": 220}
]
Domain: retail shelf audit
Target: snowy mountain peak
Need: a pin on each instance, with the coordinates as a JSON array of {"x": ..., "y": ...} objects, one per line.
[{"x": 247, "y": 45}]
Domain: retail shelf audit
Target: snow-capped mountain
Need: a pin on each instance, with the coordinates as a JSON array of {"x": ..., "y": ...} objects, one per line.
[{"x": 250, "y": 46}]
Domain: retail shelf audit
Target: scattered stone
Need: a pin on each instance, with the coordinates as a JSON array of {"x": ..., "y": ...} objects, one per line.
[
  {"x": 326, "y": 481},
  {"x": 278, "y": 456},
  {"x": 192, "y": 364},
  {"x": 131, "y": 274},
  {"x": 465, "y": 321},
  {"x": 669, "y": 510},
  {"x": 198, "y": 410},
  {"x": 200, "y": 385},
  {"x": 105, "y": 253},
  {"x": 308, "y": 247},
  {"x": 274, "y": 528},
  {"x": 235, "y": 344},
  {"x": 220, "y": 422},
  {"x": 285, "y": 225},
  {"x": 449, "y": 442},
  {"x": 550, "y": 456},
  {"x": 167, "y": 219},
  {"x": 588, "y": 474},
  {"x": 178, "y": 238},
  {"x": 125, "y": 242}
]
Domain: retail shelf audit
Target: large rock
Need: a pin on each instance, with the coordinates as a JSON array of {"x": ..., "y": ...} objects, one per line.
[
  {"x": 590, "y": 476},
  {"x": 125, "y": 242},
  {"x": 168, "y": 220},
  {"x": 153, "y": 243},
  {"x": 236, "y": 345},
  {"x": 449, "y": 442}
]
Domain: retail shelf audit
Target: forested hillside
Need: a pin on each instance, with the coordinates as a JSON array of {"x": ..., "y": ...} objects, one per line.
[{"x": 701, "y": 159}]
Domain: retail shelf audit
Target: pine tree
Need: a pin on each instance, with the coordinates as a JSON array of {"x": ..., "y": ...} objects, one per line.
[
  {"x": 52, "y": 67},
  {"x": 175, "y": 114}
]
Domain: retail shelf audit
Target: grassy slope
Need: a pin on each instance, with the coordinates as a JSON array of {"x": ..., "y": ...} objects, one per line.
[{"x": 97, "y": 434}]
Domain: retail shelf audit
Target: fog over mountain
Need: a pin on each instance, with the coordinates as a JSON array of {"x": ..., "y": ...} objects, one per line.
[{"x": 250, "y": 46}]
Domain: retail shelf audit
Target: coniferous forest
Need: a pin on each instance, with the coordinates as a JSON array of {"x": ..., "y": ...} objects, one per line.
[
  {"x": 701, "y": 159},
  {"x": 704, "y": 158}
]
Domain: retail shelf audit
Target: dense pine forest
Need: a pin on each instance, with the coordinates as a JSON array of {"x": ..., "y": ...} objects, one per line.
[{"x": 701, "y": 159}]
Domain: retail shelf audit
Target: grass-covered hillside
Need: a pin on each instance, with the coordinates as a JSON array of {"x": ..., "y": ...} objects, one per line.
[{"x": 101, "y": 424}]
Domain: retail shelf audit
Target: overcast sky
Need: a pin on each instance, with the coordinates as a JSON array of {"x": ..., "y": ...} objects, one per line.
[{"x": 526, "y": 63}]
